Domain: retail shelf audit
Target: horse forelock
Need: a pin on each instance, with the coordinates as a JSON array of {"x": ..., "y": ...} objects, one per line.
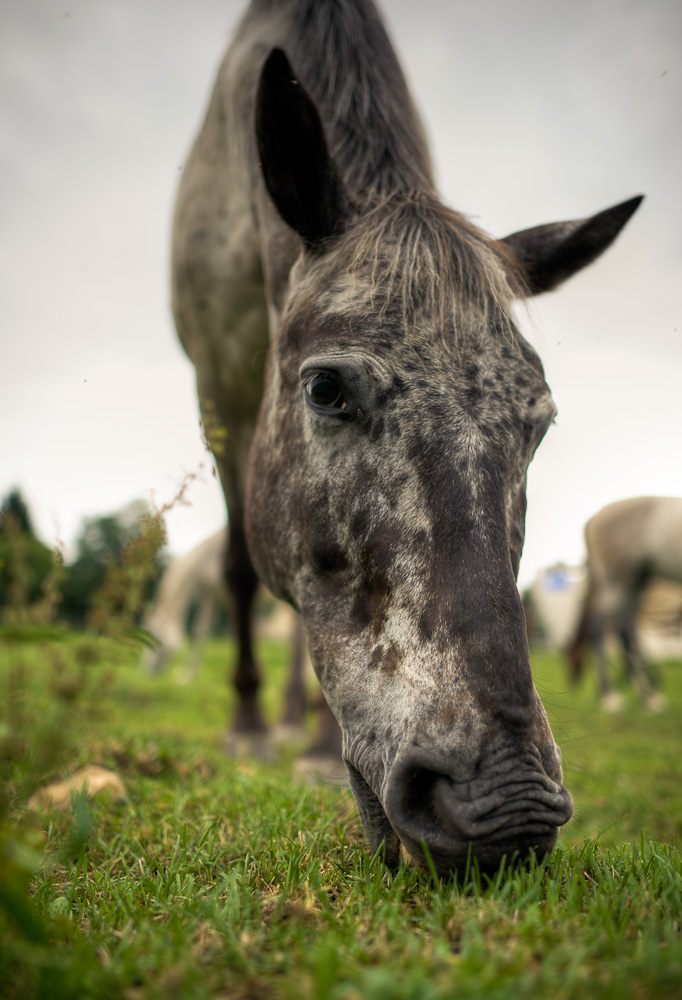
[{"x": 412, "y": 261}]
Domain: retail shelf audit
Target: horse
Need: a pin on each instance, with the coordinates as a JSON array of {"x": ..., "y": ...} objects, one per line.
[
  {"x": 629, "y": 544},
  {"x": 195, "y": 579},
  {"x": 355, "y": 338}
]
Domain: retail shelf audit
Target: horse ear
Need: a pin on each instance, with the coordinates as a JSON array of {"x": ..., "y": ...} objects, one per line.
[
  {"x": 299, "y": 173},
  {"x": 550, "y": 254}
]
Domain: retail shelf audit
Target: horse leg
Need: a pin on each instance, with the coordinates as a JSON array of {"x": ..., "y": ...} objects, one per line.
[
  {"x": 612, "y": 701},
  {"x": 201, "y": 629},
  {"x": 291, "y": 726},
  {"x": 249, "y": 731},
  {"x": 575, "y": 657},
  {"x": 608, "y": 602},
  {"x": 575, "y": 652},
  {"x": 637, "y": 670},
  {"x": 323, "y": 760}
]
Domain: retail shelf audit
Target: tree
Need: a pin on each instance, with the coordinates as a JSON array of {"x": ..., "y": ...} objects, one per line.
[
  {"x": 24, "y": 560},
  {"x": 102, "y": 541},
  {"x": 15, "y": 507}
]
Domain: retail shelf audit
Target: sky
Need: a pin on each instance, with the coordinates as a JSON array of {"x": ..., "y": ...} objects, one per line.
[{"x": 536, "y": 111}]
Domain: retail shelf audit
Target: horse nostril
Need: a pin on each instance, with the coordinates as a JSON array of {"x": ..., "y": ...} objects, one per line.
[
  {"x": 419, "y": 792},
  {"x": 432, "y": 801},
  {"x": 417, "y": 800}
]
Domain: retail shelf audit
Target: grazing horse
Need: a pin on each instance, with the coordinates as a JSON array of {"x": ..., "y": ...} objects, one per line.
[
  {"x": 355, "y": 337},
  {"x": 629, "y": 543}
]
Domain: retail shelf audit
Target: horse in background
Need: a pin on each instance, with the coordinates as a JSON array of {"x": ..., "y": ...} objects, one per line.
[
  {"x": 629, "y": 544},
  {"x": 190, "y": 582},
  {"x": 355, "y": 338}
]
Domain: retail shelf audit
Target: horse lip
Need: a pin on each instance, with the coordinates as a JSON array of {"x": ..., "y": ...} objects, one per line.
[
  {"x": 514, "y": 812},
  {"x": 525, "y": 805}
]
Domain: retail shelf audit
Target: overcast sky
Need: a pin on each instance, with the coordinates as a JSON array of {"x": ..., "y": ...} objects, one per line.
[{"x": 536, "y": 110}]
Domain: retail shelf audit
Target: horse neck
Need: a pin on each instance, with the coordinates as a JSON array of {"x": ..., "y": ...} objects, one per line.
[{"x": 344, "y": 58}]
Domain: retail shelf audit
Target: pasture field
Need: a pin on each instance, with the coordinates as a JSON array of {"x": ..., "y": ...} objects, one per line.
[{"x": 227, "y": 879}]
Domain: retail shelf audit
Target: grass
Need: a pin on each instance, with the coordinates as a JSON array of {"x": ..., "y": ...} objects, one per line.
[{"x": 220, "y": 878}]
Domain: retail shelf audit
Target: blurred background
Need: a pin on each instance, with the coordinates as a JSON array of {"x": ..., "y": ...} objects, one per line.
[{"x": 536, "y": 111}]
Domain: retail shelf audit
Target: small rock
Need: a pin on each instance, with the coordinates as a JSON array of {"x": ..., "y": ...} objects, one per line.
[{"x": 92, "y": 780}]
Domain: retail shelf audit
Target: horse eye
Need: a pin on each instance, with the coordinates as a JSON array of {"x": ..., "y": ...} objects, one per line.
[{"x": 322, "y": 390}]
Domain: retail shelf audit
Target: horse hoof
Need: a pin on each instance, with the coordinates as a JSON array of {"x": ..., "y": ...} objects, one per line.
[
  {"x": 258, "y": 745},
  {"x": 613, "y": 702},
  {"x": 321, "y": 769}
]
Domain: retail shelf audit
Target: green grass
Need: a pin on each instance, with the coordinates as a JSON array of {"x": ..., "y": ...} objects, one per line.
[{"x": 222, "y": 878}]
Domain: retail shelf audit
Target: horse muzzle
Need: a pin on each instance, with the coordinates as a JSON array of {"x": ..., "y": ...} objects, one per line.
[{"x": 511, "y": 810}]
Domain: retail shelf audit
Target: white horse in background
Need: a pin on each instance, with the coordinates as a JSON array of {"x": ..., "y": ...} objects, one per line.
[
  {"x": 629, "y": 544},
  {"x": 193, "y": 580}
]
